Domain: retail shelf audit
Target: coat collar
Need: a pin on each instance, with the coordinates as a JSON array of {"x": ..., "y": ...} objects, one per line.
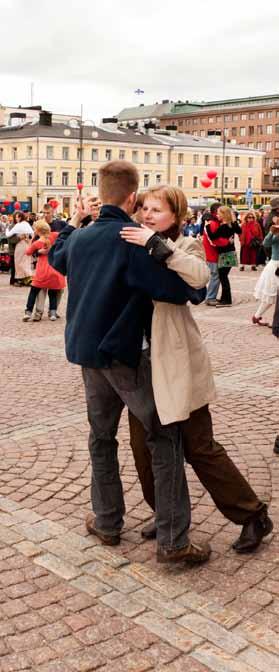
[{"x": 113, "y": 212}]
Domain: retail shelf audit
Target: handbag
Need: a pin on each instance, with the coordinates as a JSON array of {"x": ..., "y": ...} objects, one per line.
[
  {"x": 227, "y": 259},
  {"x": 255, "y": 243}
]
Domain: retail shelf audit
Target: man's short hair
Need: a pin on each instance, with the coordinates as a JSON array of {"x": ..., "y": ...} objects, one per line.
[
  {"x": 117, "y": 180},
  {"x": 47, "y": 207}
]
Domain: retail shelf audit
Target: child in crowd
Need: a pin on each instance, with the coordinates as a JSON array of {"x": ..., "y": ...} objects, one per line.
[{"x": 45, "y": 276}]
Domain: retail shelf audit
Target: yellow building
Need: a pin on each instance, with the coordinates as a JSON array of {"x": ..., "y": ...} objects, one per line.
[{"x": 41, "y": 160}]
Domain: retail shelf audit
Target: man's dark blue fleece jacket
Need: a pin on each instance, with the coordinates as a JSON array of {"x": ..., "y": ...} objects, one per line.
[{"x": 111, "y": 286}]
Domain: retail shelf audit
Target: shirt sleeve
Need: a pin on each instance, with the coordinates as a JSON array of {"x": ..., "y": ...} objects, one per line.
[{"x": 57, "y": 256}]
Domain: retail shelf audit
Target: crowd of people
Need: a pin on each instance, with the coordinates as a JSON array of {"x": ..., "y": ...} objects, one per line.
[{"x": 134, "y": 263}]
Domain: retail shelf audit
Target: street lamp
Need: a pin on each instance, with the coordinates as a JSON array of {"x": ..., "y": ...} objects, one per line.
[
  {"x": 80, "y": 124},
  {"x": 223, "y": 165}
]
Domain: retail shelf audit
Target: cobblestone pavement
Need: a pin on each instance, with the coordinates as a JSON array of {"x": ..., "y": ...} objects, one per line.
[{"x": 66, "y": 602}]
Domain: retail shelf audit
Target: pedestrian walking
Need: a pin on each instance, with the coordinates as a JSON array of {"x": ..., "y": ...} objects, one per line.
[
  {"x": 109, "y": 309},
  {"x": 211, "y": 253},
  {"x": 23, "y": 267},
  {"x": 268, "y": 283},
  {"x": 182, "y": 377},
  {"x": 251, "y": 239}
]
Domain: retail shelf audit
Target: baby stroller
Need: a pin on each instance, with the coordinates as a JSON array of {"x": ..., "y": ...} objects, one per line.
[{"x": 5, "y": 259}]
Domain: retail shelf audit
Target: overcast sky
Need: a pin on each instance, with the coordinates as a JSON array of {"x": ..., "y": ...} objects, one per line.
[{"x": 98, "y": 52}]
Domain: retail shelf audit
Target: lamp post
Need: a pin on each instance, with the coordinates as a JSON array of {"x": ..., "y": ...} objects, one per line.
[
  {"x": 80, "y": 124},
  {"x": 223, "y": 166}
]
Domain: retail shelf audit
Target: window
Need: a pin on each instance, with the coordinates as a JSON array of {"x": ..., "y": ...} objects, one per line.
[
  {"x": 79, "y": 177},
  {"x": 251, "y": 130},
  {"x": 94, "y": 155},
  {"x": 235, "y": 117},
  {"x": 14, "y": 177},
  {"x": 14, "y": 153},
  {"x": 216, "y": 183},
  {"x": 121, "y": 154},
  {"x": 80, "y": 153},
  {"x": 226, "y": 182},
  {"x": 251, "y": 145},
  {"x": 276, "y": 144},
  {"x": 228, "y": 117},
  {"x": 234, "y": 131},
  {"x": 180, "y": 181},
  {"x": 108, "y": 154},
  {"x": 227, "y": 161},
  {"x": 266, "y": 179},
  {"x": 94, "y": 179},
  {"x": 268, "y": 146},
  {"x": 65, "y": 153},
  {"x": 277, "y": 128},
  {"x": 159, "y": 157},
  {"x": 195, "y": 159},
  {"x": 269, "y": 114},
  {"x": 260, "y": 130},
  {"x": 29, "y": 177},
  {"x": 65, "y": 179},
  {"x": 49, "y": 178},
  {"x": 29, "y": 151},
  {"x": 259, "y": 145},
  {"x": 235, "y": 182},
  {"x": 49, "y": 152},
  {"x": 217, "y": 160},
  {"x": 266, "y": 163},
  {"x": 236, "y": 161},
  {"x": 146, "y": 157},
  {"x": 135, "y": 157},
  {"x": 250, "y": 182},
  {"x": 218, "y": 119},
  {"x": 261, "y": 115},
  {"x": 269, "y": 129},
  {"x": 1, "y": 153},
  {"x": 206, "y": 159},
  {"x": 252, "y": 115},
  {"x": 146, "y": 180},
  {"x": 211, "y": 120},
  {"x": 202, "y": 134},
  {"x": 1, "y": 179},
  {"x": 250, "y": 162},
  {"x": 243, "y": 130},
  {"x": 195, "y": 182},
  {"x": 243, "y": 117},
  {"x": 180, "y": 158},
  {"x": 158, "y": 179}
]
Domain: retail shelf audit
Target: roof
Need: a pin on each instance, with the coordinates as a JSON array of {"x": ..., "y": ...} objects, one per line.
[
  {"x": 56, "y": 131},
  {"x": 145, "y": 111},
  {"x": 196, "y": 142},
  {"x": 203, "y": 106}
]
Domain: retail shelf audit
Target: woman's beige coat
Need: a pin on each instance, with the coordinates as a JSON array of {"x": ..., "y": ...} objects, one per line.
[{"x": 181, "y": 370}]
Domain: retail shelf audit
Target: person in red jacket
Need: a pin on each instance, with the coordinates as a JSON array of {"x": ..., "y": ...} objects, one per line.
[
  {"x": 251, "y": 238},
  {"x": 46, "y": 277},
  {"x": 211, "y": 253}
]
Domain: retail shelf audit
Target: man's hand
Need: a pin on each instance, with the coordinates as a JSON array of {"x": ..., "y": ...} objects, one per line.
[
  {"x": 43, "y": 251},
  {"x": 136, "y": 235},
  {"x": 83, "y": 208}
]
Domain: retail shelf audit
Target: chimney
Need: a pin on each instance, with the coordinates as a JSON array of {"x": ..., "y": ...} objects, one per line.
[
  {"x": 150, "y": 128},
  {"x": 172, "y": 128},
  {"x": 45, "y": 118},
  {"x": 111, "y": 122}
]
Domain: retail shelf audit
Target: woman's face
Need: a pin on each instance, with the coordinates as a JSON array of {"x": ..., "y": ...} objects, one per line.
[
  {"x": 157, "y": 214},
  {"x": 219, "y": 215}
]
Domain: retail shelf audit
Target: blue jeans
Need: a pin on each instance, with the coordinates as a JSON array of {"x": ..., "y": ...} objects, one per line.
[
  {"x": 214, "y": 282},
  {"x": 107, "y": 392}
]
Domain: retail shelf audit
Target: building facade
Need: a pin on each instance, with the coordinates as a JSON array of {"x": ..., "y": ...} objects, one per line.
[
  {"x": 44, "y": 160},
  {"x": 250, "y": 122}
]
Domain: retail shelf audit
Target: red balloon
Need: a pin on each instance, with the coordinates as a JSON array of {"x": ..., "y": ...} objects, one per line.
[
  {"x": 206, "y": 182},
  {"x": 53, "y": 203},
  {"x": 17, "y": 205},
  {"x": 6, "y": 202},
  {"x": 79, "y": 186},
  {"x": 3, "y": 209},
  {"x": 212, "y": 174}
]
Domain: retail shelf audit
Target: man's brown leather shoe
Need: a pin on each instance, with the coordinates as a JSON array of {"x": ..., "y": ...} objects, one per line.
[
  {"x": 192, "y": 553},
  {"x": 106, "y": 539}
]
